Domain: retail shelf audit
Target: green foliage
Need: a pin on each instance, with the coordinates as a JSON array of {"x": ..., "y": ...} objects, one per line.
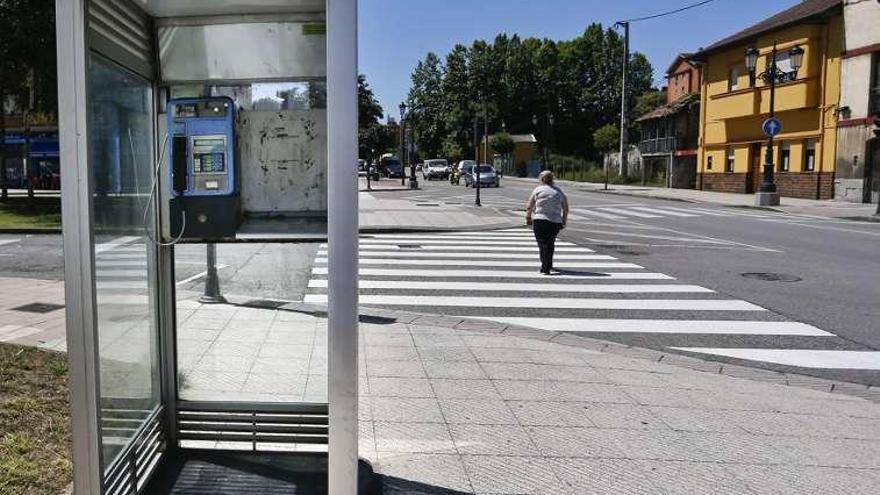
[
  {"x": 372, "y": 134},
  {"x": 561, "y": 91},
  {"x": 606, "y": 138},
  {"x": 502, "y": 143},
  {"x": 649, "y": 101}
]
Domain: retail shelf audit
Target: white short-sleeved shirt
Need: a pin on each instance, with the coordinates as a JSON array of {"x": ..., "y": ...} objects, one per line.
[{"x": 548, "y": 203}]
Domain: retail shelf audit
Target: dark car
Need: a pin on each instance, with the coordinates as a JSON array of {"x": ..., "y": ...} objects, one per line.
[{"x": 392, "y": 169}]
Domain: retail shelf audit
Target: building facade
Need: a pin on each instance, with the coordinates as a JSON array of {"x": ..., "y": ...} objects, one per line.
[
  {"x": 734, "y": 104},
  {"x": 858, "y": 146},
  {"x": 669, "y": 134}
]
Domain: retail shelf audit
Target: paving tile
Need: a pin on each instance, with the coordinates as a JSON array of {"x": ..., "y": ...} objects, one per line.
[
  {"x": 280, "y": 365},
  {"x": 488, "y": 355},
  {"x": 625, "y": 416},
  {"x": 388, "y": 340},
  {"x": 469, "y": 411},
  {"x": 685, "y": 419},
  {"x": 604, "y": 476},
  {"x": 460, "y": 370},
  {"x": 592, "y": 392},
  {"x": 805, "y": 480},
  {"x": 413, "y": 438},
  {"x": 497, "y": 474},
  {"x": 391, "y": 353},
  {"x": 406, "y": 409},
  {"x": 638, "y": 378},
  {"x": 550, "y": 413},
  {"x": 829, "y": 452},
  {"x": 285, "y": 351},
  {"x": 276, "y": 383},
  {"x": 526, "y": 390},
  {"x": 528, "y": 371},
  {"x": 400, "y": 387},
  {"x": 433, "y": 341},
  {"x": 492, "y": 440},
  {"x": 557, "y": 358},
  {"x": 446, "y": 354},
  {"x": 446, "y": 388},
  {"x": 490, "y": 341},
  {"x": 692, "y": 478},
  {"x": 409, "y": 472},
  {"x": 398, "y": 369},
  {"x": 557, "y": 441}
]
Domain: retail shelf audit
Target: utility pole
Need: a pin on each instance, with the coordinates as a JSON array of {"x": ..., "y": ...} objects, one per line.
[
  {"x": 623, "y": 105},
  {"x": 4, "y": 191}
]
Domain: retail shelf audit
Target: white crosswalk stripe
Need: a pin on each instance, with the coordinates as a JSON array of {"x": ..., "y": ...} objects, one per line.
[
  {"x": 630, "y": 211},
  {"x": 494, "y": 276}
]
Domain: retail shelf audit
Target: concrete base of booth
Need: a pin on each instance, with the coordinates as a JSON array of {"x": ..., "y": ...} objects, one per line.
[{"x": 240, "y": 473}]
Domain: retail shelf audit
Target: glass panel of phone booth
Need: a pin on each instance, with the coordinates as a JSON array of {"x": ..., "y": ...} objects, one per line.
[
  {"x": 125, "y": 263},
  {"x": 278, "y": 96}
]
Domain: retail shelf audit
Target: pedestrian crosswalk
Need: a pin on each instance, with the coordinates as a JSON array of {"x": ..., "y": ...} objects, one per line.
[
  {"x": 639, "y": 211},
  {"x": 494, "y": 276}
]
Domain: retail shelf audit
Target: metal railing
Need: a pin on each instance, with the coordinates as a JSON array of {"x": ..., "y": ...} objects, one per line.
[{"x": 659, "y": 145}]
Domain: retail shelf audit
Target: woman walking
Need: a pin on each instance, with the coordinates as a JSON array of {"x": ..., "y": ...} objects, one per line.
[{"x": 547, "y": 212}]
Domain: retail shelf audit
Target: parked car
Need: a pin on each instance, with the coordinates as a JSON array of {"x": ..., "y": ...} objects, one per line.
[
  {"x": 463, "y": 168},
  {"x": 392, "y": 168},
  {"x": 488, "y": 177},
  {"x": 436, "y": 169}
]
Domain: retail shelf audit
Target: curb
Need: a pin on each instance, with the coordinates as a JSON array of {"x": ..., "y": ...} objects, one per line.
[
  {"x": 377, "y": 229},
  {"x": 4, "y": 230}
]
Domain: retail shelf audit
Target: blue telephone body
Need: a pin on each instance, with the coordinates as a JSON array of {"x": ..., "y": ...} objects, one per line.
[{"x": 203, "y": 177}]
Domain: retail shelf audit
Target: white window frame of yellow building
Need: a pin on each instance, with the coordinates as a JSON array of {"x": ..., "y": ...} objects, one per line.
[
  {"x": 809, "y": 164},
  {"x": 733, "y": 78},
  {"x": 730, "y": 160},
  {"x": 785, "y": 156}
]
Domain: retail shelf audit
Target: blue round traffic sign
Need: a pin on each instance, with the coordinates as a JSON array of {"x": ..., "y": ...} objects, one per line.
[{"x": 772, "y": 127}]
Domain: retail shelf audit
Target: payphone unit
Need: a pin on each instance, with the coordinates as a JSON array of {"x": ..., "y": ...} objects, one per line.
[{"x": 205, "y": 201}]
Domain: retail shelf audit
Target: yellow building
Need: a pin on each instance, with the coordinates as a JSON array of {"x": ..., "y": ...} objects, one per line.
[
  {"x": 735, "y": 103},
  {"x": 524, "y": 151}
]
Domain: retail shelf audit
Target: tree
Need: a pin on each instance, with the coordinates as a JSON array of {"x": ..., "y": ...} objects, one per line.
[
  {"x": 502, "y": 143},
  {"x": 606, "y": 138},
  {"x": 561, "y": 91},
  {"x": 426, "y": 104},
  {"x": 373, "y": 137},
  {"x": 648, "y": 101},
  {"x": 27, "y": 63}
]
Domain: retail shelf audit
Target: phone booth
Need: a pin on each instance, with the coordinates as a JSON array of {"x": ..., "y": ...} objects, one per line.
[{"x": 202, "y": 122}]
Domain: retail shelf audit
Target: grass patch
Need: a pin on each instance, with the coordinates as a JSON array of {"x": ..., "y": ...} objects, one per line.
[
  {"x": 30, "y": 213},
  {"x": 34, "y": 421}
]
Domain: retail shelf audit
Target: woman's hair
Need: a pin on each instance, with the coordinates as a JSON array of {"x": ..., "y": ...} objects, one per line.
[{"x": 547, "y": 177}]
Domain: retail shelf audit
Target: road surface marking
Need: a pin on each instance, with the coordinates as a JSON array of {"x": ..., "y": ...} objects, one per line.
[
  {"x": 500, "y": 234},
  {"x": 469, "y": 255},
  {"x": 599, "y": 214},
  {"x": 524, "y": 287},
  {"x": 4, "y": 242},
  {"x": 802, "y": 358},
  {"x": 513, "y": 274},
  {"x": 705, "y": 327},
  {"x": 115, "y": 243},
  {"x": 703, "y": 211},
  {"x": 550, "y": 303},
  {"x": 487, "y": 263},
  {"x": 470, "y": 249},
  {"x": 664, "y": 211},
  {"x": 462, "y": 243},
  {"x": 629, "y": 212}
]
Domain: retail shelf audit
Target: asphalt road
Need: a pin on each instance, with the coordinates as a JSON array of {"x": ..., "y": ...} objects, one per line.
[{"x": 829, "y": 269}]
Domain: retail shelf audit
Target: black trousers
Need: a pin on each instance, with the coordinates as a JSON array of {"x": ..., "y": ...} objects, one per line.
[{"x": 545, "y": 233}]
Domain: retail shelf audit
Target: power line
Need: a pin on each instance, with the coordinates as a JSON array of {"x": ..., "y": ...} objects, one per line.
[{"x": 682, "y": 9}]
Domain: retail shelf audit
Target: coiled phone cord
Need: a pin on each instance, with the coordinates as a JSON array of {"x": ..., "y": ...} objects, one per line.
[{"x": 153, "y": 189}]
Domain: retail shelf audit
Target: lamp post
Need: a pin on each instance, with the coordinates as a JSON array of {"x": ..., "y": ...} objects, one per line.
[
  {"x": 768, "y": 195},
  {"x": 370, "y": 168},
  {"x": 403, "y": 149}
]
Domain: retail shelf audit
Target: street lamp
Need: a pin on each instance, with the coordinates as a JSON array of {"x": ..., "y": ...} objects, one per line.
[
  {"x": 402, "y": 109},
  {"x": 768, "y": 195}
]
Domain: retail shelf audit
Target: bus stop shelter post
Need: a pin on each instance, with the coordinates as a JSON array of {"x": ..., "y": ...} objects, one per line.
[
  {"x": 79, "y": 270},
  {"x": 342, "y": 311}
]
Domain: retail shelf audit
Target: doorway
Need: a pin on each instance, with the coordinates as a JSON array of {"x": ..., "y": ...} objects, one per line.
[{"x": 753, "y": 178}]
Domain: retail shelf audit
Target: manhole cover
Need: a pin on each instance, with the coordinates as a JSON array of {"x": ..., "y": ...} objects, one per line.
[
  {"x": 409, "y": 246},
  {"x": 39, "y": 308},
  {"x": 772, "y": 277}
]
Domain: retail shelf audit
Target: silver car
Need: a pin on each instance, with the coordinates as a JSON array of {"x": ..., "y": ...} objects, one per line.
[{"x": 488, "y": 177}]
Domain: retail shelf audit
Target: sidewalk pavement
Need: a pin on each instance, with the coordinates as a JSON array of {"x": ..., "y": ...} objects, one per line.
[
  {"x": 381, "y": 212},
  {"x": 476, "y": 407},
  {"x": 41, "y": 326},
  {"x": 798, "y": 206},
  {"x": 382, "y": 185}
]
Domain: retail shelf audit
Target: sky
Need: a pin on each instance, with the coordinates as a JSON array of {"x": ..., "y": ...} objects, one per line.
[{"x": 396, "y": 34}]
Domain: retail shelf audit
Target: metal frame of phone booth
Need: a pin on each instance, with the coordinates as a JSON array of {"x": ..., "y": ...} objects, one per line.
[{"x": 125, "y": 33}]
